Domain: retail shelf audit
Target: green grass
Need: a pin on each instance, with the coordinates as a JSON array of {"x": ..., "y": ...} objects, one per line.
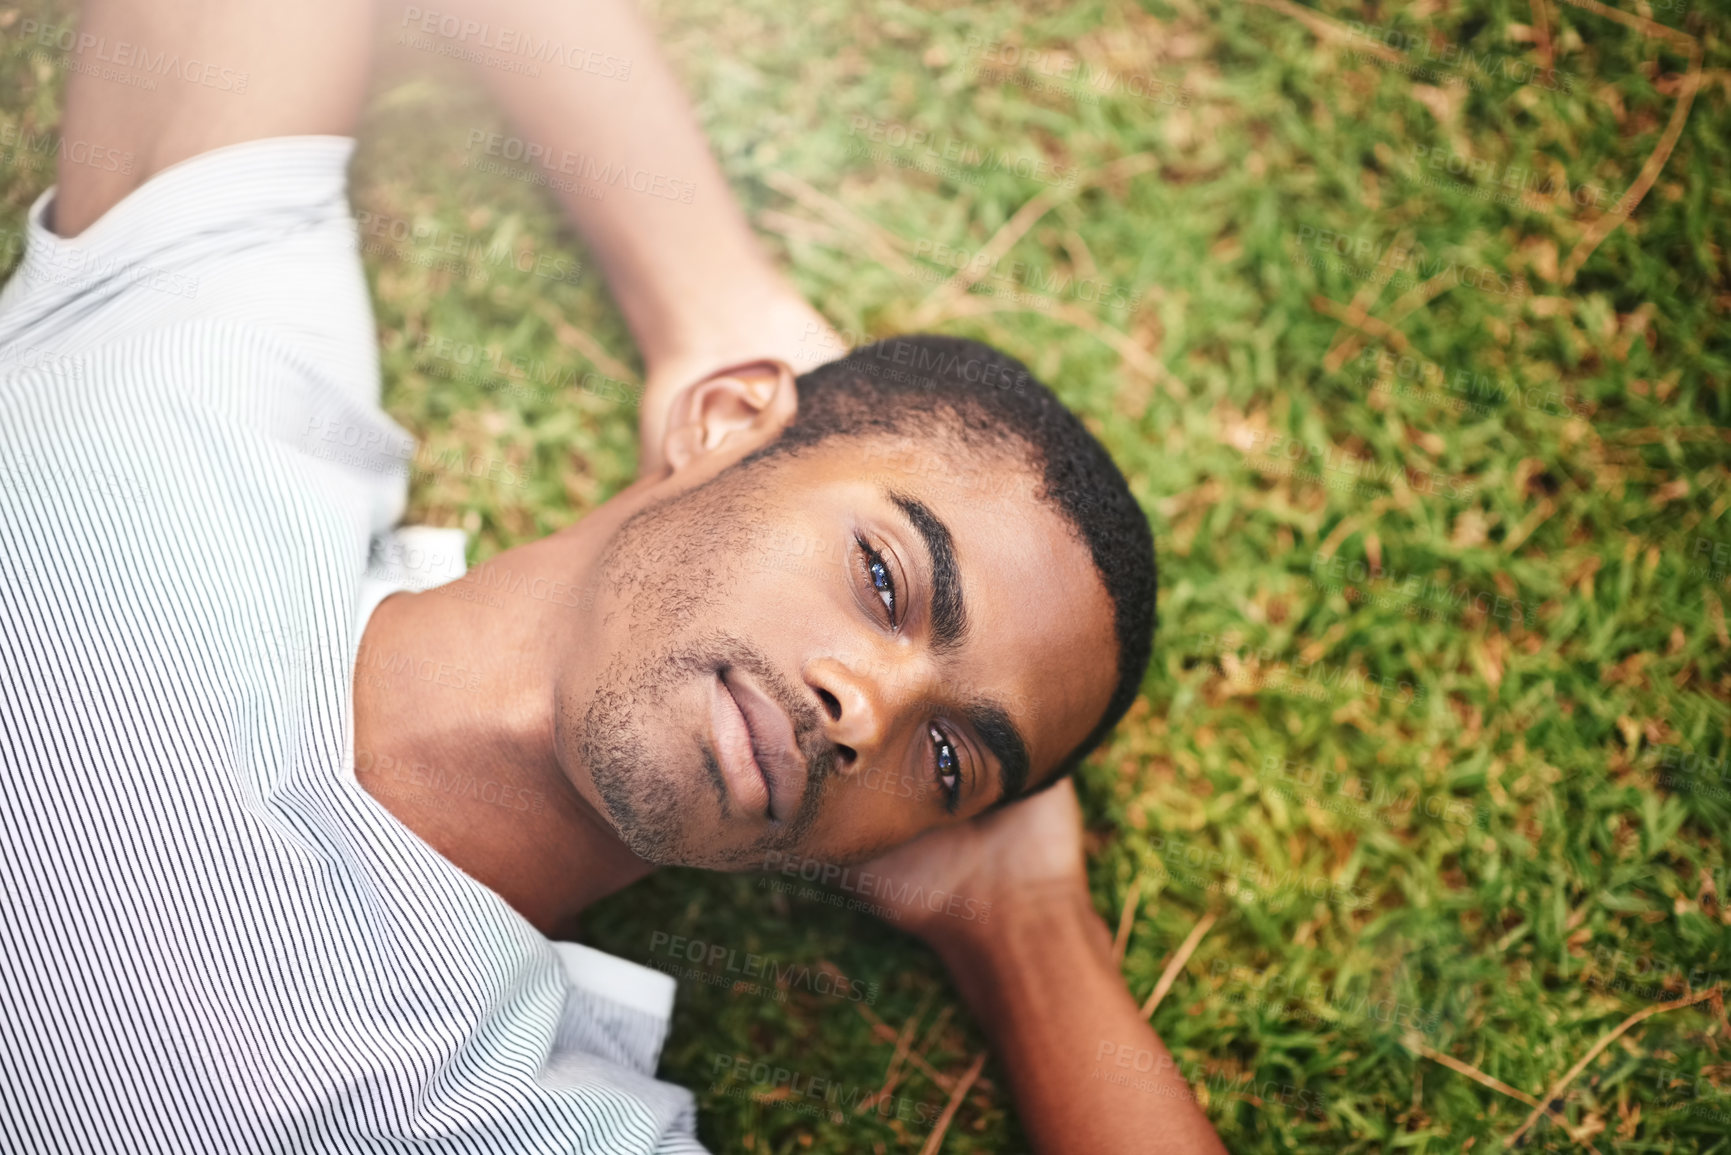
[{"x": 1418, "y": 812}]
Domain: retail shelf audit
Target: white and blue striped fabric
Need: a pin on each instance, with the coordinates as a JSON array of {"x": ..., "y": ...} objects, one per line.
[{"x": 213, "y": 939}]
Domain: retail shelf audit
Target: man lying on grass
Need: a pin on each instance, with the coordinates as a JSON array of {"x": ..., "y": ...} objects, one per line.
[{"x": 233, "y": 925}]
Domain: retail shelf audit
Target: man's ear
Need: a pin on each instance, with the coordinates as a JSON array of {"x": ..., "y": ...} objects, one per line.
[{"x": 734, "y": 411}]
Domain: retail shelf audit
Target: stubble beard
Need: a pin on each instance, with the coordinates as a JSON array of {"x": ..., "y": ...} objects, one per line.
[{"x": 673, "y": 564}]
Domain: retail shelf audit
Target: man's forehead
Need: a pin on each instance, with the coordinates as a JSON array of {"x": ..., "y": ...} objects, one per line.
[{"x": 962, "y": 466}]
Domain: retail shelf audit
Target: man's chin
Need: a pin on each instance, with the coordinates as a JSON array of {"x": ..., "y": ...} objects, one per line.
[
  {"x": 674, "y": 834},
  {"x": 658, "y": 847}
]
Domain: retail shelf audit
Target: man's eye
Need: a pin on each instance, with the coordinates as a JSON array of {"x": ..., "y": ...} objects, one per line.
[
  {"x": 947, "y": 765},
  {"x": 879, "y": 578}
]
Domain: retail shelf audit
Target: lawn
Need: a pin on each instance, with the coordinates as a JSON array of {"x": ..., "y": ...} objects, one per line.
[{"x": 1409, "y": 329}]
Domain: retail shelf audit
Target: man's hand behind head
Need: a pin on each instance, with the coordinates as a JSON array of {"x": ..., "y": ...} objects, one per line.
[{"x": 1025, "y": 852}]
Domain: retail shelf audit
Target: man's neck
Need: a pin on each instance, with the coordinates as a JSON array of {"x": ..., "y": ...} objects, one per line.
[{"x": 454, "y": 733}]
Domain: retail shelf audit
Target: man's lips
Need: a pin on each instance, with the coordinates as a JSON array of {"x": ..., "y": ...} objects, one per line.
[{"x": 756, "y": 748}]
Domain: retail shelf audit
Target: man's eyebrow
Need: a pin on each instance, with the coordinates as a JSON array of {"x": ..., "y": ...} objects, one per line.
[
  {"x": 949, "y": 612},
  {"x": 992, "y": 723},
  {"x": 949, "y": 616}
]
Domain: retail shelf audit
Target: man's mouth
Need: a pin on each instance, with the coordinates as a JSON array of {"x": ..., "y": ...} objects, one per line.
[{"x": 755, "y": 746}]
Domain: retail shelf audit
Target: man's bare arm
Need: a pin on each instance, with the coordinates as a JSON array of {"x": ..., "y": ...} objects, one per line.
[
  {"x": 691, "y": 278},
  {"x": 696, "y": 288},
  {"x": 306, "y": 67},
  {"x": 1087, "y": 1071}
]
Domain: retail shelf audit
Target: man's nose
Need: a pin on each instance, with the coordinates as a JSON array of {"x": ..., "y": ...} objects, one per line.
[{"x": 856, "y": 716}]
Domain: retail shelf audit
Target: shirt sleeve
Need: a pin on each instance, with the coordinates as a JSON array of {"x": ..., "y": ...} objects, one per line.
[
  {"x": 616, "y": 1019},
  {"x": 258, "y": 234},
  {"x": 622, "y": 1009}
]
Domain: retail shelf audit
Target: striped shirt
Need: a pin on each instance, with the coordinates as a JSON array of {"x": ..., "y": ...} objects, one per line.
[{"x": 214, "y": 939}]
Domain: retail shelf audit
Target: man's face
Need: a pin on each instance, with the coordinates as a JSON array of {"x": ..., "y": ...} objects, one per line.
[{"x": 828, "y": 654}]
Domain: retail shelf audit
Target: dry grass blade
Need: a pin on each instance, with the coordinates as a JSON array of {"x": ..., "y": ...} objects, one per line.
[
  {"x": 1408, "y": 302},
  {"x": 1327, "y": 28},
  {"x": 1347, "y": 527},
  {"x": 1368, "y": 294},
  {"x": 1013, "y": 230},
  {"x": 1359, "y": 320},
  {"x": 1418, "y": 1047},
  {"x": 884, "y": 245},
  {"x": 1611, "y": 221},
  {"x": 1542, "y": 34},
  {"x": 796, "y": 228},
  {"x": 1539, "y": 515},
  {"x": 1126, "y": 917},
  {"x": 1716, "y": 619},
  {"x": 889, "y": 1034},
  {"x": 1371, "y": 291},
  {"x": 1650, "y": 27},
  {"x": 597, "y": 354},
  {"x": 1414, "y": 1044},
  {"x": 1176, "y": 965},
  {"x": 1681, "y": 433},
  {"x": 1606, "y": 1040},
  {"x": 1134, "y": 356},
  {"x": 937, "y": 1028},
  {"x": 936, "y": 1139},
  {"x": 893, "y": 1073}
]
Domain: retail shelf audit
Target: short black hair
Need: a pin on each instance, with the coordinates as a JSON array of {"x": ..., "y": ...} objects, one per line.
[{"x": 908, "y": 385}]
